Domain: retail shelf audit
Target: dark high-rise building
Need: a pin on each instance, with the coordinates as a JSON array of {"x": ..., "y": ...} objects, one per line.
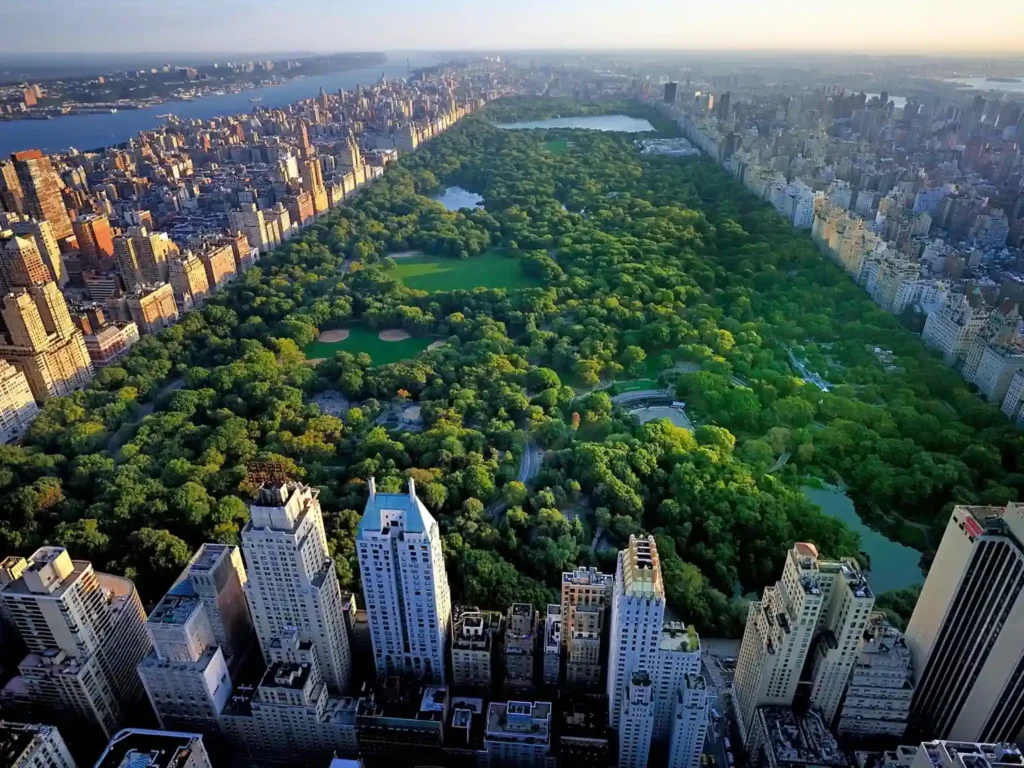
[
  {"x": 670, "y": 92},
  {"x": 42, "y": 198},
  {"x": 722, "y": 106}
]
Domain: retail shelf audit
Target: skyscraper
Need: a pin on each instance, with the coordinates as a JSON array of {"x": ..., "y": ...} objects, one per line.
[
  {"x": 966, "y": 634},
  {"x": 41, "y": 190},
  {"x": 95, "y": 240},
  {"x": 21, "y": 265},
  {"x": 689, "y": 723},
  {"x": 40, "y": 340},
  {"x": 12, "y": 198},
  {"x": 41, "y": 233},
  {"x": 636, "y": 721},
  {"x": 670, "y": 92},
  {"x": 637, "y": 611},
  {"x": 292, "y": 586},
  {"x": 26, "y": 745},
  {"x": 141, "y": 257},
  {"x": 818, "y": 607},
  {"x": 404, "y": 584},
  {"x": 678, "y": 660},
  {"x": 84, "y": 632},
  {"x": 18, "y": 408}
]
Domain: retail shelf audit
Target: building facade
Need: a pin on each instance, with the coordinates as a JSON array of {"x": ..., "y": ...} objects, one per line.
[
  {"x": 405, "y": 585},
  {"x": 18, "y": 407}
]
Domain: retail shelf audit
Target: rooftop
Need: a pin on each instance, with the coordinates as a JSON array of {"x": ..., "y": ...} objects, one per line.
[
  {"x": 798, "y": 740},
  {"x": 972, "y": 755},
  {"x": 139, "y": 748},
  {"x": 641, "y": 570},
  {"x": 16, "y": 738},
  {"x": 174, "y": 609},
  {"x": 677, "y": 636},
  {"x": 522, "y": 721},
  {"x": 286, "y": 675},
  {"x": 588, "y": 577},
  {"x": 395, "y": 512}
]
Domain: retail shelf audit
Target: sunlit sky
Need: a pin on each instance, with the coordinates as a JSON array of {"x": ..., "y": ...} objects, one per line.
[{"x": 891, "y": 26}]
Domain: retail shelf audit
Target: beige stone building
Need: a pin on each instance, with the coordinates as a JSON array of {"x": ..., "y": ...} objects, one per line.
[
  {"x": 152, "y": 308},
  {"x": 27, "y": 745},
  {"x": 586, "y": 594},
  {"x": 220, "y": 266},
  {"x": 189, "y": 281},
  {"x": 21, "y": 265},
  {"x": 41, "y": 189},
  {"x": 142, "y": 256},
  {"x": 253, "y": 223},
  {"x": 17, "y": 405},
  {"x": 475, "y": 639},
  {"x": 41, "y": 340},
  {"x": 817, "y": 611},
  {"x": 84, "y": 632}
]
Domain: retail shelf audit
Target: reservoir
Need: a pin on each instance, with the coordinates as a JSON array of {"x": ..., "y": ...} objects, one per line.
[
  {"x": 619, "y": 123},
  {"x": 456, "y": 198},
  {"x": 893, "y": 566},
  {"x": 85, "y": 132}
]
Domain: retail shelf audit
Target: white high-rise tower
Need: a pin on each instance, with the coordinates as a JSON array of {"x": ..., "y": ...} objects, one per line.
[
  {"x": 292, "y": 585},
  {"x": 405, "y": 585},
  {"x": 638, "y": 607}
]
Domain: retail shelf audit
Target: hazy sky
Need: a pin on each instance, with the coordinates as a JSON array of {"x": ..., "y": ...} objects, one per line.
[{"x": 107, "y": 26}]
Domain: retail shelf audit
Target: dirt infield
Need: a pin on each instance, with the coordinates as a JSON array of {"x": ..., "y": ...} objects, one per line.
[
  {"x": 332, "y": 337},
  {"x": 437, "y": 344},
  {"x": 394, "y": 334}
]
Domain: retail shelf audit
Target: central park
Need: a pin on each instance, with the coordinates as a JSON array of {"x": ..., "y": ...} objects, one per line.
[{"x": 589, "y": 271}]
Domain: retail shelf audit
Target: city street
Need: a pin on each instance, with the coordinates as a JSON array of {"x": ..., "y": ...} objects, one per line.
[{"x": 718, "y": 672}]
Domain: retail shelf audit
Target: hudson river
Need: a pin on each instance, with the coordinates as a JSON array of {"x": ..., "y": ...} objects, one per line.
[{"x": 94, "y": 131}]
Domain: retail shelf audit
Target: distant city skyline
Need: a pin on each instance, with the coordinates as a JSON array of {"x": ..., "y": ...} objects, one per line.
[{"x": 120, "y": 26}]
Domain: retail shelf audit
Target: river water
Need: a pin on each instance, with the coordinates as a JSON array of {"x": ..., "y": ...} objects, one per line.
[
  {"x": 893, "y": 565},
  {"x": 619, "y": 123},
  {"x": 95, "y": 131}
]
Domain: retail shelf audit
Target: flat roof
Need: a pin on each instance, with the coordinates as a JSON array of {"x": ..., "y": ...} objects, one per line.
[{"x": 138, "y": 748}]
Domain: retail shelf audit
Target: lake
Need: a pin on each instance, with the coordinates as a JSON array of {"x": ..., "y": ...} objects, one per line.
[
  {"x": 95, "y": 131},
  {"x": 456, "y": 198},
  {"x": 893, "y": 566},
  {"x": 619, "y": 123}
]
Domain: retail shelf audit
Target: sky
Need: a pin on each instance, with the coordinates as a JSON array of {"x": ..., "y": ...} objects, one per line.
[{"x": 224, "y": 26}]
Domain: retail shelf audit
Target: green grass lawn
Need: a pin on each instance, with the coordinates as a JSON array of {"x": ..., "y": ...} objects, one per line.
[
  {"x": 364, "y": 340},
  {"x": 636, "y": 385},
  {"x": 491, "y": 269},
  {"x": 557, "y": 146}
]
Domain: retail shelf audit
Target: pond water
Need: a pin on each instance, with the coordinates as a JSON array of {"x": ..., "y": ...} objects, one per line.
[
  {"x": 893, "y": 565},
  {"x": 619, "y": 123},
  {"x": 454, "y": 198}
]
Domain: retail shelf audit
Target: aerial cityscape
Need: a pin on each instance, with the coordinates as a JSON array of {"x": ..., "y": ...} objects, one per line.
[{"x": 471, "y": 401}]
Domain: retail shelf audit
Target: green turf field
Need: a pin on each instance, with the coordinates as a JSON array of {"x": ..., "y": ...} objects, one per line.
[
  {"x": 438, "y": 273},
  {"x": 557, "y": 146},
  {"x": 364, "y": 340}
]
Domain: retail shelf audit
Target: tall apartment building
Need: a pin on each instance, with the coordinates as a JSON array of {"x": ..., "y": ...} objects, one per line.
[
  {"x": 189, "y": 281},
  {"x": 251, "y": 221},
  {"x": 586, "y": 594},
  {"x": 142, "y": 748},
  {"x": 18, "y": 408},
  {"x": 27, "y": 745},
  {"x": 405, "y": 585},
  {"x": 518, "y": 733},
  {"x": 12, "y": 198},
  {"x": 521, "y": 639},
  {"x": 110, "y": 342},
  {"x": 313, "y": 183},
  {"x": 689, "y": 723},
  {"x": 996, "y": 369},
  {"x": 219, "y": 262},
  {"x": 1014, "y": 397},
  {"x": 678, "y": 660},
  {"x": 41, "y": 340},
  {"x": 141, "y": 257},
  {"x": 966, "y": 634},
  {"x": 41, "y": 190},
  {"x": 292, "y": 582},
  {"x": 636, "y": 721},
  {"x": 20, "y": 263},
  {"x": 780, "y": 738},
  {"x": 551, "y": 658},
  {"x": 152, "y": 307},
  {"x": 200, "y": 632},
  {"x": 41, "y": 233},
  {"x": 84, "y": 632},
  {"x": 817, "y": 610},
  {"x": 881, "y": 687},
  {"x": 952, "y": 328},
  {"x": 95, "y": 241},
  {"x": 475, "y": 639},
  {"x": 637, "y": 612}
]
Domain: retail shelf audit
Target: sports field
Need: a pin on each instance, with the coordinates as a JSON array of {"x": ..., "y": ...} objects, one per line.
[
  {"x": 434, "y": 274},
  {"x": 364, "y": 340},
  {"x": 557, "y": 146}
]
